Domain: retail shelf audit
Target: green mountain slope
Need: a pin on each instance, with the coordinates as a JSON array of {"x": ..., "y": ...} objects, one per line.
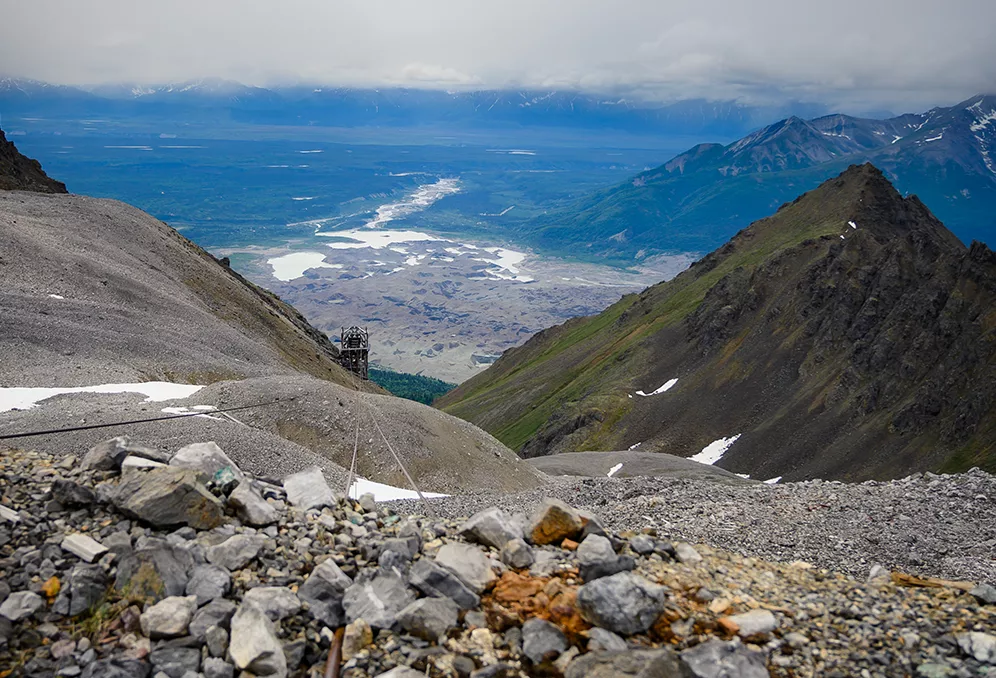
[
  {"x": 697, "y": 200},
  {"x": 867, "y": 355}
]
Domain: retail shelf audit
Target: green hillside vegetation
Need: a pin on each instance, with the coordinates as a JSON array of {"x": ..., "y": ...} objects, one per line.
[
  {"x": 411, "y": 386},
  {"x": 778, "y": 335}
]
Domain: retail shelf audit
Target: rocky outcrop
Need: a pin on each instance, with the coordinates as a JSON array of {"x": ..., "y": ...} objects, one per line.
[{"x": 19, "y": 173}]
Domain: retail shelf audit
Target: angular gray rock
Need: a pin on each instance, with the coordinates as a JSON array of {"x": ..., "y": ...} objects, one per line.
[
  {"x": 117, "y": 668},
  {"x": 754, "y": 622},
  {"x": 323, "y": 591},
  {"x": 206, "y": 459},
  {"x": 718, "y": 659},
  {"x": 308, "y": 489},
  {"x": 981, "y": 646},
  {"x": 542, "y": 640},
  {"x": 176, "y": 661},
  {"x": 168, "y": 618},
  {"x": 21, "y": 605},
  {"x": 438, "y": 582},
  {"x": 250, "y": 506},
  {"x": 209, "y": 582},
  {"x": 429, "y": 618},
  {"x": 642, "y": 544},
  {"x": 168, "y": 496},
  {"x": 216, "y": 640},
  {"x": 400, "y": 672},
  {"x": 377, "y": 601},
  {"x": 68, "y": 493},
  {"x": 468, "y": 563},
  {"x": 108, "y": 455},
  {"x": 517, "y": 554},
  {"x": 623, "y": 603},
  {"x": 595, "y": 550},
  {"x": 277, "y": 602},
  {"x": 368, "y": 502},
  {"x": 491, "y": 527},
  {"x": 687, "y": 554},
  {"x": 87, "y": 588},
  {"x": 236, "y": 552},
  {"x": 659, "y": 663},
  {"x": 253, "y": 644},
  {"x": 157, "y": 571},
  {"x": 216, "y": 613},
  {"x": 217, "y": 668},
  {"x": 984, "y": 593},
  {"x": 602, "y": 639},
  {"x": 83, "y": 547}
]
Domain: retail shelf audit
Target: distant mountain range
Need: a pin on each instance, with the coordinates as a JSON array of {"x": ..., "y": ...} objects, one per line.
[
  {"x": 697, "y": 200},
  {"x": 213, "y": 100},
  {"x": 850, "y": 336}
]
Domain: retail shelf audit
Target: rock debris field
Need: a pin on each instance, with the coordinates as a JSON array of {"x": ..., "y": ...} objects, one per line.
[{"x": 134, "y": 563}]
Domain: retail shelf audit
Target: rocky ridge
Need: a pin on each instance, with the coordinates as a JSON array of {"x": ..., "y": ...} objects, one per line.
[
  {"x": 20, "y": 173},
  {"x": 135, "y": 562}
]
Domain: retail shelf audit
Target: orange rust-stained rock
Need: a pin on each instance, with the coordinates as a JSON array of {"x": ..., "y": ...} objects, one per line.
[
  {"x": 513, "y": 587},
  {"x": 569, "y": 545},
  {"x": 552, "y": 522},
  {"x": 51, "y": 588},
  {"x": 728, "y": 625}
]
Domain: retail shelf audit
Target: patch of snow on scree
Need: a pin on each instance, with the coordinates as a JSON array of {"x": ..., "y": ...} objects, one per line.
[
  {"x": 614, "y": 470},
  {"x": 382, "y": 492},
  {"x": 664, "y": 387},
  {"x": 714, "y": 451}
]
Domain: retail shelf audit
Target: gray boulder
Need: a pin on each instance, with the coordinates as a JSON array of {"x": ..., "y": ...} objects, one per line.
[
  {"x": 209, "y": 582},
  {"x": 87, "y": 587},
  {"x": 168, "y": 618},
  {"x": 157, "y": 572},
  {"x": 176, "y": 661},
  {"x": 984, "y": 593},
  {"x": 429, "y": 618},
  {"x": 981, "y": 646},
  {"x": 323, "y": 591},
  {"x": 377, "y": 601},
  {"x": 236, "y": 552},
  {"x": 217, "y": 668},
  {"x": 687, "y": 554},
  {"x": 596, "y": 550},
  {"x": 542, "y": 640},
  {"x": 308, "y": 489},
  {"x": 216, "y": 640},
  {"x": 117, "y": 668},
  {"x": 250, "y": 506},
  {"x": 491, "y": 527},
  {"x": 68, "y": 493},
  {"x": 254, "y": 646},
  {"x": 468, "y": 563},
  {"x": 206, "y": 459},
  {"x": 716, "y": 659},
  {"x": 168, "y": 496},
  {"x": 438, "y": 582},
  {"x": 276, "y": 602},
  {"x": 602, "y": 639},
  {"x": 517, "y": 554},
  {"x": 624, "y": 603},
  {"x": 754, "y": 622},
  {"x": 659, "y": 663},
  {"x": 108, "y": 455},
  {"x": 642, "y": 544},
  {"x": 216, "y": 613},
  {"x": 21, "y": 605}
]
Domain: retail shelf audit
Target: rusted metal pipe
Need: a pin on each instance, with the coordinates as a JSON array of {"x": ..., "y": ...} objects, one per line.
[{"x": 334, "y": 663}]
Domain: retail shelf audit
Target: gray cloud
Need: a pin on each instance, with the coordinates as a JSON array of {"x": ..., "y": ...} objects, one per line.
[{"x": 902, "y": 54}]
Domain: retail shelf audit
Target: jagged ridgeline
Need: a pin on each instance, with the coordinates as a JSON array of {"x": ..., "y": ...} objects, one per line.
[{"x": 850, "y": 335}]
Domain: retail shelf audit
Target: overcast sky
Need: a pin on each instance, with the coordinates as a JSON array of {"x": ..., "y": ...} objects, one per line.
[{"x": 898, "y": 54}]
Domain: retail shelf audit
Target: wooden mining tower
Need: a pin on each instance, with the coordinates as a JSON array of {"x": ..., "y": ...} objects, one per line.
[{"x": 354, "y": 351}]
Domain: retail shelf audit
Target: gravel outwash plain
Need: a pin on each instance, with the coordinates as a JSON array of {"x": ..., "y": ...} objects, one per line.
[{"x": 925, "y": 524}]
